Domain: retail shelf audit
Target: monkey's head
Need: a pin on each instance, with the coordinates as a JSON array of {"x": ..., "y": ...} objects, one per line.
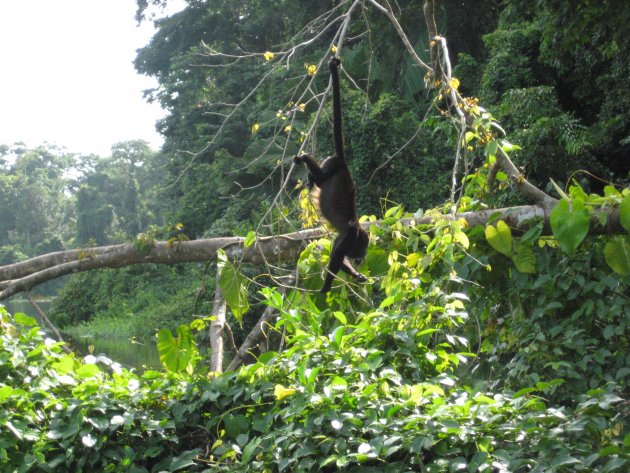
[{"x": 361, "y": 240}]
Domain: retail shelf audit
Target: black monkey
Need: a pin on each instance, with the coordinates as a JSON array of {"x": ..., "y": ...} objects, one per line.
[{"x": 336, "y": 196}]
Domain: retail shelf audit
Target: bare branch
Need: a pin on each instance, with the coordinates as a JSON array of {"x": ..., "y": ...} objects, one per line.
[
  {"x": 217, "y": 327},
  {"x": 412, "y": 52},
  {"x": 523, "y": 185}
]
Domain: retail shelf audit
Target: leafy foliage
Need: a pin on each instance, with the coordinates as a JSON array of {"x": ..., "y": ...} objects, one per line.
[{"x": 451, "y": 367}]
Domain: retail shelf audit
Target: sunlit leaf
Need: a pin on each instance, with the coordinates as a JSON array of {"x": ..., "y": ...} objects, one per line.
[
  {"x": 249, "y": 239},
  {"x": 339, "y": 383},
  {"x": 462, "y": 239},
  {"x": 500, "y": 238},
  {"x": 180, "y": 354},
  {"x": 24, "y": 319},
  {"x": 5, "y": 392}
]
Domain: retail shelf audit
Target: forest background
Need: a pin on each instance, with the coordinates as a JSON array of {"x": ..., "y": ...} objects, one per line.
[{"x": 553, "y": 75}]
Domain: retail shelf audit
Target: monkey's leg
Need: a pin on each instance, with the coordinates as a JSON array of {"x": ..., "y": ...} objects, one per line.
[
  {"x": 337, "y": 255},
  {"x": 347, "y": 267}
]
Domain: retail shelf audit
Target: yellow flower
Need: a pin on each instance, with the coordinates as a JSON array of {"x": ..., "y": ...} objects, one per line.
[
  {"x": 454, "y": 83},
  {"x": 311, "y": 69},
  {"x": 268, "y": 55},
  {"x": 255, "y": 128},
  {"x": 302, "y": 106},
  {"x": 333, "y": 49},
  {"x": 287, "y": 128},
  {"x": 281, "y": 392}
]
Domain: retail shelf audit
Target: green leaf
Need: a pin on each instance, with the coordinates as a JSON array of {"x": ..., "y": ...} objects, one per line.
[
  {"x": 559, "y": 190},
  {"x": 570, "y": 225},
  {"x": 185, "y": 460},
  {"x": 524, "y": 259},
  {"x": 500, "y": 238},
  {"x": 235, "y": 425},
  {"x": 507, "y": 146},
  {"x": 5, "y": 392},
  {"x": 339, "y": 383},
  {"x": 491, "y": 149},
  {"x": 624, "y": 213},
  {"x": 617, "y": 254},
  {"x": 24, "y": 319},
  {"x": 233, "y": 285},
  {"x": 179, "y": 354},
  {"x": 341, "y": 317},
  {"x": 377, "y": 260},
  {"x": 462, "y": 239},
  {"x": 249, "y": 239},
  {"x": 88, "y": 371}
]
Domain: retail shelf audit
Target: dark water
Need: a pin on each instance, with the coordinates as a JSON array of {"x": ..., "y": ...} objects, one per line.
[
  {"x": 126, "y": 352},
  {"x": 130, "y": 354}
]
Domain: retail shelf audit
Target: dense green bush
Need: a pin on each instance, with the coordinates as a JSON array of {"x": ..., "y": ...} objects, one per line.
[{"x": 147, "y": 296}]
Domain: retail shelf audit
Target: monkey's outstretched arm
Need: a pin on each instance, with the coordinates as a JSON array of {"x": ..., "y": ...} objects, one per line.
[{"x": 316, "y": 173}]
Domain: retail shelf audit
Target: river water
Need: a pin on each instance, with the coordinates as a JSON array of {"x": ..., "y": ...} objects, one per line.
[{"x": 140, "y": 356}]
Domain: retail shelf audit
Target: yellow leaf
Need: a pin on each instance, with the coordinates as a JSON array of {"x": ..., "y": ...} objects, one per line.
[
  {"x": 268, "y": 55},
  {"x": 311, "y": 69},
  {"x": 333, "y": 49},
  {"x": 287, "y": 128},
  {"x": 454, "y": 83},
  {"x": 255, "y": 128},
  {"x": 281, "y": 392},
  {"x": 302, "y": 106}
]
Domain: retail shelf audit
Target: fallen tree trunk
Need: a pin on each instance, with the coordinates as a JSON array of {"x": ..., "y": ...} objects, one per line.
[{"x": 23, "y": 276}]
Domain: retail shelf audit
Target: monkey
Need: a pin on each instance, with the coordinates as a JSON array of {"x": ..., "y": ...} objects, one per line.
[{"x": 336, "y": 195}]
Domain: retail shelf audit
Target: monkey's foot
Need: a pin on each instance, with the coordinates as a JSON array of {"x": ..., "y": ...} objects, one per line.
[{"x": 299, "y": 159}]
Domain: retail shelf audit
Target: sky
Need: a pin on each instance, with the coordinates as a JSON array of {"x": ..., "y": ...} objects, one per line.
[{"x": 67, "y": 75}]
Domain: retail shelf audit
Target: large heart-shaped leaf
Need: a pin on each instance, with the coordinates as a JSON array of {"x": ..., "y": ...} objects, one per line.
[
  {"x": 500, "y": 238},
  {"x": 617, "y": 255},
  {"x": 570, "y": 224}
]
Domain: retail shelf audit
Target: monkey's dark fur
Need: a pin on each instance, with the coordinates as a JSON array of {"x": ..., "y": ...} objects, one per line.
[{"x": 337, "y": 196}]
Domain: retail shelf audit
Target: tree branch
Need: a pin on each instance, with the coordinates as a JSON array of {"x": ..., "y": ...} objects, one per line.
[
  {"x": 285, "y": 247},
  {"x": 217, "y": 327}
]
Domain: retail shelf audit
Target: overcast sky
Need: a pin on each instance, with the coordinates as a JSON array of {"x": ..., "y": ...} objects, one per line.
[{"x": 66, "y": 75}]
